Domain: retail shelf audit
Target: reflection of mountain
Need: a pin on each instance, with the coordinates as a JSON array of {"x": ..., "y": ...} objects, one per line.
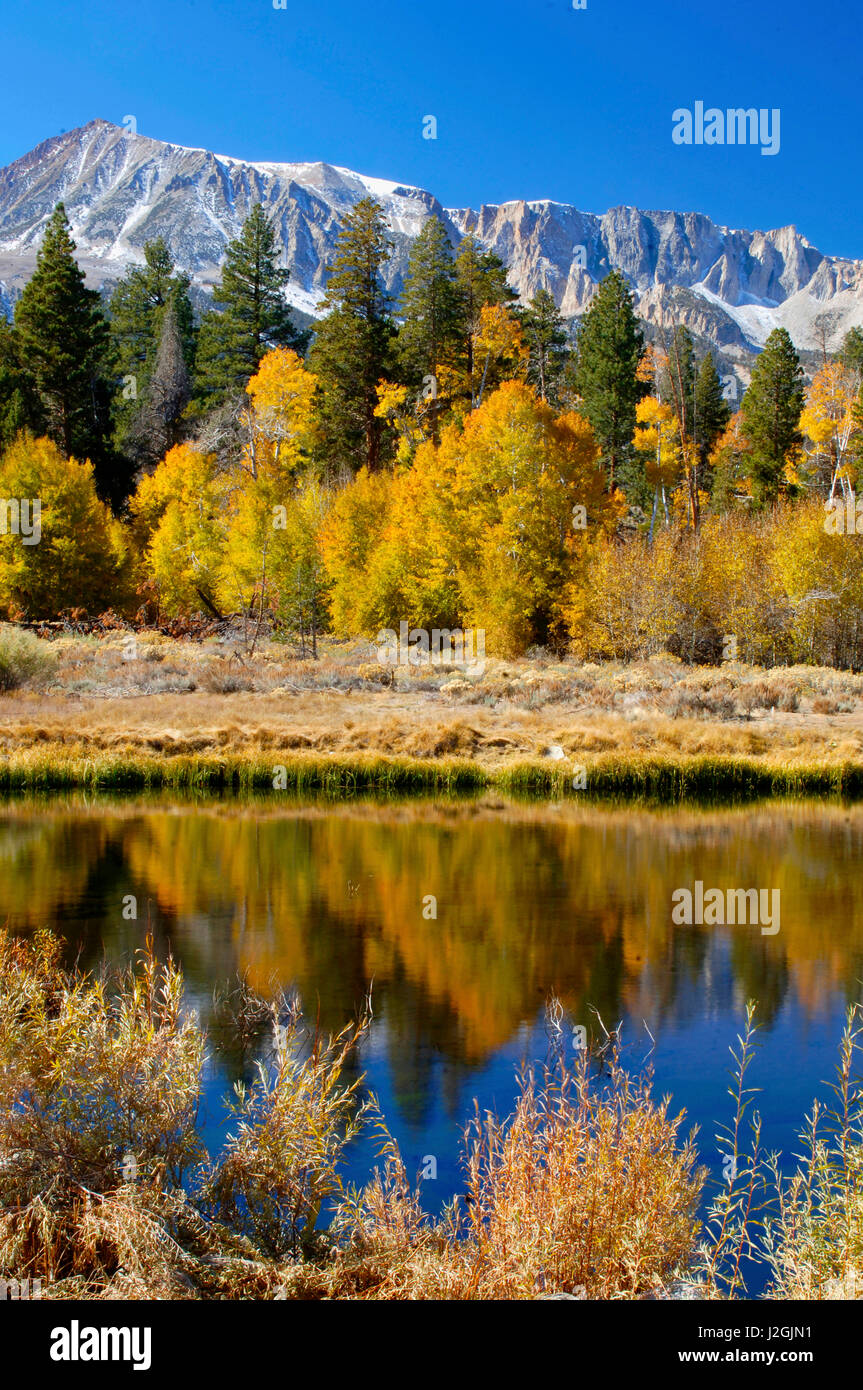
[{"x": 528, "y": 900}]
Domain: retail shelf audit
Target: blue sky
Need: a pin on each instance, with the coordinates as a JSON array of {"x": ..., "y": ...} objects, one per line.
[{"x": 532, "y": 99}]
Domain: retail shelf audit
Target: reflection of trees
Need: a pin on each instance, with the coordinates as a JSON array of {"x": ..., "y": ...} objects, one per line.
[
  {"x": 761, "y": 974},
  {"x": 528, "y": 900}
]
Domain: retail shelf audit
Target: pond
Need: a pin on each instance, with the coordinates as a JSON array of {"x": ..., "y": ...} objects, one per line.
[{"x": 462, "y": 917}]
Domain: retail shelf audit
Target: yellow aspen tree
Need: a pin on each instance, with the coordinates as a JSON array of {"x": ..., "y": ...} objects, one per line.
[
  {"x": 259, "y": 558},
  {"x": 831, "y": 426},
  {"x": 523, "y": 480},
  {"x": 281, "y": 413},
  {"x": 179, "y": 513},
  {"x": 821, "y": 572},
  {"x": 60, "y": 547},
  {"x": 657, "y": 437},
  {"x": 364, "y": 591},
  {"x": 406, "y": 413},
  {"x": 500, "y": 352}
]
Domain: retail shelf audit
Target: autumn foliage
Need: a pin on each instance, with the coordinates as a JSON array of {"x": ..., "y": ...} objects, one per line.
[{"x": 495, "y": 514}]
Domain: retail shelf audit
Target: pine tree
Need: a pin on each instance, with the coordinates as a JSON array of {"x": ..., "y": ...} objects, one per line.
[
  {"x": 852, "y": 350},
  {"x": 481, "y": 280},
  {"x": 157, "y": 425},
  {"x": 136, "y": 307},
  {"x": 481, "y": 277},
  {"x": 139, "y": 307},
  {"x": 771, "y": 412},
  {"x": 610, "y": 347},
  {"x": 712, "y": 411},
  {"x": 429, "y": 305},
  {"x": 353, "y": 342},
  {"x": 677, "y": 380},
  {"x": 62, "y": 342},
  {"x": 254, "y": 316},
  {"x": 19, "y": 404},
  {"x": 548, "y": 343}
]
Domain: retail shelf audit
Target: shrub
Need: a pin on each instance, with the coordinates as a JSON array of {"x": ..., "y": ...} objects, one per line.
[
  {"x": 281, "y": 1164},
  {"x": 105, "y": 1186},
  {"x": 814, "y": 1244},
  {"x": 585, "y": 1186},
  {"x": 23, "y": 659},
  {"x": 106, "y": 1190},
  {"x": 98, "y": 1095},
  {"x": 219, "y": 680},
  {"x": 823, "y": 704}
]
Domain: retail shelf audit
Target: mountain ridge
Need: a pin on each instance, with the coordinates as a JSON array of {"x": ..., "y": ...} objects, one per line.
[{"x": 729, "y": 285}]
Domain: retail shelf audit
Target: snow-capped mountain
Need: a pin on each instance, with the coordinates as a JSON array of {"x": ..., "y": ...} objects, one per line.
[{"x": 122, "y": 189}]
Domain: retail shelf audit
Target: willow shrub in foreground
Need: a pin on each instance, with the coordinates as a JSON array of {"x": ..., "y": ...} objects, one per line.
[
  {"x": 586, "y": 1185},
  {"x": 106, "y": 1190},
  {"x": 583, "y": 1188},
  {"x": 105, "y": 1187},
  {"x": 813, "y": 1240}
]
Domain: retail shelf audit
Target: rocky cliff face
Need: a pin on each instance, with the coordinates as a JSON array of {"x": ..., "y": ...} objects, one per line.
[{"x": 120, "y": 190}]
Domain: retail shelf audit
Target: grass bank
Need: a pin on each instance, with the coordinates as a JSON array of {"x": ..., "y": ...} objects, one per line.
[
  {"x": 202, "y": 717},
  {"x": 664, "y": 778}
]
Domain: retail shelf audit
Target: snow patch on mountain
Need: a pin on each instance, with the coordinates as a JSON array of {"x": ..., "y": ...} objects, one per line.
[{"x": 756, "y": 320}]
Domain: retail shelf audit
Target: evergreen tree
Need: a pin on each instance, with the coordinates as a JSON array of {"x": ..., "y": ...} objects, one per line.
[
  {"x": 254, "y": 316},
  {"x": 677, "y": 383},
  {"x": 19, "y": 404},
  {"x": 480, "y": 279},
  {"x": 548, "y": 341},
  {"x": 852, "y": 350},
  {"x": 353, "y": 342},
  {"x": 429, "y": 305},
  {"x": 62, "y": 340},
  {"x": 157, "y": 425},
  {"x": 140, "y": 306},
  {"x": 610, "y": 347},
  {"x": 771, "y": 413},
  {"x": 712, "y": 411}
]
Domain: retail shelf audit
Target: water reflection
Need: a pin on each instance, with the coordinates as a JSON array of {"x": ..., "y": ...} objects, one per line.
[{"x": 570, "y": 898}]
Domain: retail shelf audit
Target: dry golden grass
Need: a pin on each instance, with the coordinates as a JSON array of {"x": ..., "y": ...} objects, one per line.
[
  {"x": 182, "y": 698},
  {"x": 203, "y": 714}
]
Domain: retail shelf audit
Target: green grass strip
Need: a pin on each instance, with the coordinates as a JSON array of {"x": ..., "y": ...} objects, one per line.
[{"x": 666, "y": 779}]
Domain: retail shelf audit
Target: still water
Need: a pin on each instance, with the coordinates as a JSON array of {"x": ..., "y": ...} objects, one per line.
[{"x": 334, "y": 898}]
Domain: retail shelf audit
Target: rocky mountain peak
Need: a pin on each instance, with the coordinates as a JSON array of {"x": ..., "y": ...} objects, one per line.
[{"x": 121, "y": 189}]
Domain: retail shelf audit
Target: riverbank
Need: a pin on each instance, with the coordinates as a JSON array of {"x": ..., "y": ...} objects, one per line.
[
  {"x": 161, "y": 712},
  {"x": 662, "y": 778}
]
